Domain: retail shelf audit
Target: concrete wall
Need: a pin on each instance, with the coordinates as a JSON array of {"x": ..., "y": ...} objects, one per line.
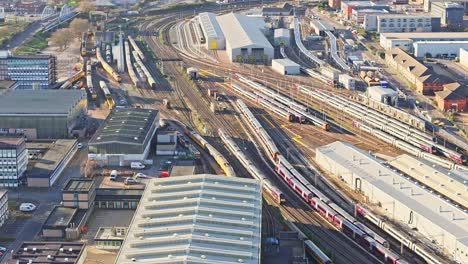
[{"x": 464, "y": 57}]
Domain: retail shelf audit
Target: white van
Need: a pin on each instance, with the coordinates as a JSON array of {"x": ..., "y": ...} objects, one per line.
[
  {"x": 137, "y": 165},
  {"x": 113, "y": 175}
]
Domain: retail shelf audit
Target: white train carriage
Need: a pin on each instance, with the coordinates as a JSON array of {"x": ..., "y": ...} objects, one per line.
[{"x": 316, "y": 253}]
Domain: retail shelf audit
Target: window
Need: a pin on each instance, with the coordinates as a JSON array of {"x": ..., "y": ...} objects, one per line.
[{"x": 125, "y": 204}]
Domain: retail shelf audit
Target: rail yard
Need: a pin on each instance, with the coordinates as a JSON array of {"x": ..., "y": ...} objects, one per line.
[{"x": 350, "y": 175}]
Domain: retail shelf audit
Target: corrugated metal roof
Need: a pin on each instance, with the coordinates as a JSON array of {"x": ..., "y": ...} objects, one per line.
[
  {"x": 242, "y": 31},
  {"x": 286, "y": 62},
  {"x": 196, "y": 219},
  {"x": 421, "y": 201},
  {"x": 37, "y": 102},
  {"x": 210, "y": 25}
]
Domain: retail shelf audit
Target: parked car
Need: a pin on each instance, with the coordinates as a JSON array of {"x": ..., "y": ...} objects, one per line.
[
  {"x": 130, "y": 181},
  {"x": 141, "y": 176},
  {"x": 27, "y": 207},
  {"x": 79, "y": 146},
  {"x": 137, "y": 165},
  {"x": 113, "y": 175},
  {"x": 2, "y": 249}
]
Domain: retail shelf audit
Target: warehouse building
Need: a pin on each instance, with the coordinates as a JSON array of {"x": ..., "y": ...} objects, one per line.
[
  {"x": 31, "y": 71},
  {"x": 197, "y": 218},
  {"x": 214, "y": 37},
  {"x": 245, "y": 39},
  {"x": 43, "y": 114},
  {"x": 405, "y": 40},
  {"x": 383, "y": 95},
  {"x": 448, "y": 183},
  {"x": 4, "y": 212},
  {"x": 49, "y": 253},
  {"x": 425, "y": 80},
  {"x": 124, "y": 137},
  {"x": 286, "y": 66},
  {"x": 13, "y": 160},
  {"x": 451, "y": 14},
  {"x": 282, "y": 36},
  {"x": 401, "y": 199},
  {"x": 438, "y": 49}
]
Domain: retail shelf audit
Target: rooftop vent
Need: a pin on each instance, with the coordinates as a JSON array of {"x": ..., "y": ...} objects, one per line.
[
  {"x": 70, "y": 250},
  {"x": 98, "y": 138},
  {"x": 240, "y": 260},
  {"x": 66, "y": 260},
  {"x": 117, "y": 131},
  {"x": 241, "y": 238},
  {"x": 203, "y": 256},
  {"x": 29, "y": 261},
  {"x": 25, "y": 249},
  {"x": 123, "y": 122},
  {"x": 141, "y": 128},
  {"x": 169, "y": 256},
  {"x": 180, "y": 215},
  {"x": 207, "y": 235},
  {"x": 243, "y": 218},
  {"x": 50, "y": 257},
  {"x": 213, "y": 198},
  {"x": 61, "y": 249},
  {"x": 34, "y": 249},
  {"x": 133, "y": 259},
  {"x": 135, "y": 138},
  {"x": 175, "y": 234},
  {"x": 210, "y": 215}
]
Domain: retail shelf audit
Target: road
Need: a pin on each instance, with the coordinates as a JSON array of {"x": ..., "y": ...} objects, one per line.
[
  {"x": 32, "y": 29},
  {"x": 45, "y": 198}
]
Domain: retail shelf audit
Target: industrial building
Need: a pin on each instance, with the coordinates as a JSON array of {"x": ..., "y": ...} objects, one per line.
[
  {"x": 282, "y": 36},
  {"x": 407, "y": 23},
  {"x": 347, "y": 7},
  {"x": 405, "y": 40},
  {"x": 214, "y": 37},
  {"x": 425, "y": 80},
  {"x": 451, "y": 14},
  {"x": 383, "y": 95},
  {"x": 285, "y": 9},
  {"x": 13, "y": 160},
  {"x": 79, "y": 193},
  {"x": 438, "y": 49},
  {"x": 49, "y": 253},
  {"x": 43, "y": 114},
  {"x": 401, "y": 199},
  {"x": 245, "y": 39},
  {"x": 286, "y": 66},
  {"x": 446, "y": 182},
  {"x": 124, "y": 137},
  {"x": 197, "y": 218},
  {"x": 65, "y": 223},
  {"x": 31, "y": 71},
  {"x": 4, "y": 212}
]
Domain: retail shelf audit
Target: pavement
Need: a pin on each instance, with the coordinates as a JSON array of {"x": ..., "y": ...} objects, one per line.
[{"x": 44, "y": 198}]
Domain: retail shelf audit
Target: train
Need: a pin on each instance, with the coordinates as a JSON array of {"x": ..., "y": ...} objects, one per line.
[
  {"x": 149, "y": 78},
  {"x": 317, "y": 75},
  {"x": 267, "y": 185},
  {"x": 107, "y": 67},
  {"x": 83, "y": 44},
  {"x": 396, "y": 234},
  {"x": 107, "y": 94},
  {"x": 316, "y": 199},
  {"x": 137, "y": 49},
  {"x": 300, "y": 111},
  {"x": 75, "y": 77},
  {"x": 136, "y": 81},
  {"x": 217, "y": 156},
  {"x": 89, "y": 80},
  {"x": 392, "y": 127},
  {"x": 316, "y": 253}
]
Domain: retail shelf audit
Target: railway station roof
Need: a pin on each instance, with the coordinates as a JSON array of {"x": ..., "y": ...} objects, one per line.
[
  {"x": 40, "y": 102},
  {"x": 196, "y": 219},
  {"x": 406, "y": 192},
  {"x": 130, "y": 126},
  {"x": 210, "y": 25},
  {"x": 243, "y": 31}
]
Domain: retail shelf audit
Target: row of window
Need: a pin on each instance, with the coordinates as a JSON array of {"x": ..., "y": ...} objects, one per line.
[
  {"x": 117, "y": 204},
  {"x": 401, "y": 20},
  {"x": 8, "y": 175},
  {"x": 108, "y": 243},
  {"x": 405, "y": 25}
]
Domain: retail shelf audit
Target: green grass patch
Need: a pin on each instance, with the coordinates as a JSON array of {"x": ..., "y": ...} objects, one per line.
[
  {"x": 32, "y": 46},
  {"x": 10, "y": 29},
  {"x": 73, "y": 3}
]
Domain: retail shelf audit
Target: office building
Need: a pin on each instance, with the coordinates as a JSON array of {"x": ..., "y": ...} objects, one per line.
[
  {"x": 451, "y": 14},
  {"x": 3, "y": 206},
  {"x": 407, "y": 23},
  {"x": 49, "y": 253},
  {"x": 79, "y": 193},
  {"x": 13, "y": 160},
  {"x": 43, "y": 114},
  {"x": 405, "y": 40},
  {"x": 29, "y": 71},
  {"x": 196, "y": 219},
  {"x": 124, "y": 137}
]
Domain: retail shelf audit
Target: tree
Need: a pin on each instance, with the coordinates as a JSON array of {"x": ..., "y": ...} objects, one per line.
[
  {"x": 78, "y": 26},
  {"x": 61, "y": 37},
  {"x": 87, "y": 6}
]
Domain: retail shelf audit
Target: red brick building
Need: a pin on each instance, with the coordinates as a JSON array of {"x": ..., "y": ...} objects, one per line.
[{"x": 453, "y": 97}]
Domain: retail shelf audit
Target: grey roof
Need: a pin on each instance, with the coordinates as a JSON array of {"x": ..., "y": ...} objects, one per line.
[
  {"x": 243, "y": 31},
  {"x": 130, "y": 125},
  {"x": 425, "y": 204},
  {"x": 201, "y": 218},
  {"x": 40, "y": 102},
  {"x": 210, "y": 25},
  {"x": 286, "y": 62}
]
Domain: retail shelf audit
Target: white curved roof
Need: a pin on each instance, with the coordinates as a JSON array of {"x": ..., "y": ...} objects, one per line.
[
  {"x": 243, "y": 31},
  {"x": 196, "y": 219}
]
